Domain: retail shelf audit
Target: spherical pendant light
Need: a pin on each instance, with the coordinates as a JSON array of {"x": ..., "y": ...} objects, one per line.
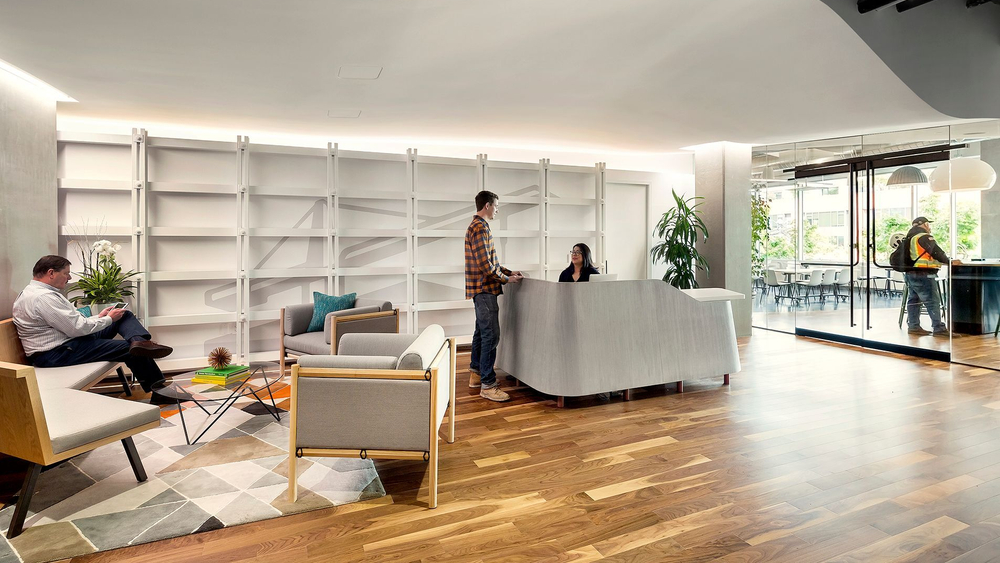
[
  {"x": 963, "y": 174},
  {"x": 907, "y": 176}
]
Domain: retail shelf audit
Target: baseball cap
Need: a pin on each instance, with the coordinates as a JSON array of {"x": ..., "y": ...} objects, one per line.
[{"x": 921, "y": 220}]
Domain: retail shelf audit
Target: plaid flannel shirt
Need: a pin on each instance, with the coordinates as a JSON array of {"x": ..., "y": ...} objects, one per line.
[{"x": 483, "y": 273}]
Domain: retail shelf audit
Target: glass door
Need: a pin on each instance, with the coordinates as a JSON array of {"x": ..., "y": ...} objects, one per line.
[{"x": 851, "y": 220}]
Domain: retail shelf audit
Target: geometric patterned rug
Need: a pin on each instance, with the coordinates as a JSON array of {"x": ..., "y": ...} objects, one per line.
[{"x": 237, "y": 473}]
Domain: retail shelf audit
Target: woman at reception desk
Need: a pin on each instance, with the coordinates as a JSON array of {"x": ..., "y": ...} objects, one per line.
[
  {"x": 581, "y": 265},
  {"x": 571, "y": 340}
]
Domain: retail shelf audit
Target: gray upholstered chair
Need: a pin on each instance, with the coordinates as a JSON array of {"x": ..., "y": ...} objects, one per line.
[
  {"x": 383, "y": 397},
  {"x": 368, "y": 315}
]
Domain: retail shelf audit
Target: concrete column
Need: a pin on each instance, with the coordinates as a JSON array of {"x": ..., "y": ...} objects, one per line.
[
  {"x": 990, "y": 221},
  {"x": 722, "y": 177},
  {"x": 28, "y": 191}
]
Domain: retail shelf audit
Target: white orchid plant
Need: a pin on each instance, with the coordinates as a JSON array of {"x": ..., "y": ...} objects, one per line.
[{"x": 102, "y": 279}]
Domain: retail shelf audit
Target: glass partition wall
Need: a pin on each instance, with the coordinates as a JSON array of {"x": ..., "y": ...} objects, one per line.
[{"x": 827, "y": 215}]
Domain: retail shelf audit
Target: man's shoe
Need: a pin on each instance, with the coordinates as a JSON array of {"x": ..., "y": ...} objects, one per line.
[
  {"x": 941, "y": 332},
  {"x": 494, "y": 394},
  {"x": 918, "y": 330},
  {"x": 149, "y": 349},
  {"x": 475, "y": 380}
]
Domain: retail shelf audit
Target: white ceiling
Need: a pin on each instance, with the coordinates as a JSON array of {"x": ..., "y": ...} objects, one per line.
[{"x": 624, "y": 75}]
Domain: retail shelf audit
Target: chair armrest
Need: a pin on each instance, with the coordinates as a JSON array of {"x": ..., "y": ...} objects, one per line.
[
  {"x": 297, "y": 318},
  {"x": 369, "y": 302},
  {"x": 334, "y": 316},
  {"x": 383, "y": 322}
]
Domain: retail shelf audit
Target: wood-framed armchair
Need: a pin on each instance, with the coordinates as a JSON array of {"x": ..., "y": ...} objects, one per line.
[
  {"x": 383, "y": 397},
  {"x": 367, "y": 315}
]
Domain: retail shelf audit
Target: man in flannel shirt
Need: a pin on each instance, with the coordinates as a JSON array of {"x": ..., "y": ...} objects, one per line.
[{"x": 484, "y": 279}]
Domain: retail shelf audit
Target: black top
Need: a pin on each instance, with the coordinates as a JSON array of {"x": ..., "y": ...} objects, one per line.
[{"x": 567, "y": 274}]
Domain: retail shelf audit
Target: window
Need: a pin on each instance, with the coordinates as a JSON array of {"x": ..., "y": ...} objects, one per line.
[{"x": 827, "y": 218}]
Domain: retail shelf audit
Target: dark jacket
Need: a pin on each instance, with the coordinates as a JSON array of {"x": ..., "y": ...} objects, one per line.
[
  {"x": 929, "y": 245},
  {"x": 567, "y": 274}
]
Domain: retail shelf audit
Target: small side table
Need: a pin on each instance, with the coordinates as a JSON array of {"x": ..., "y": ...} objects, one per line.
[{"x": 219, "y": 398}]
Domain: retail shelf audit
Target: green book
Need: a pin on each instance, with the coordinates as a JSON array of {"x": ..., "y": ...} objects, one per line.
[{"x": 227, "y": 371}]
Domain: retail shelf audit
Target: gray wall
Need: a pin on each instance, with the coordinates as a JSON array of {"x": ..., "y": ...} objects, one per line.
[
  {"x": 946, "y": 53},
  {"x": 28, "y": 191},
  {"x": 990, "y": 153},
  {"x": 722, "y": 177}
]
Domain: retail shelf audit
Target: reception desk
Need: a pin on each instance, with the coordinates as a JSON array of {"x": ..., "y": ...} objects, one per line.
[
  {"x": 574, "y": 339},
  {"x": 975, "y": 297}
]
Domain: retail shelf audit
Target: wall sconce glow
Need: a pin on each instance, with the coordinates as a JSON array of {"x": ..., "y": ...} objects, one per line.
[
  {"x": 963, "y": 174},
  {"x": 44, "y": 87}
]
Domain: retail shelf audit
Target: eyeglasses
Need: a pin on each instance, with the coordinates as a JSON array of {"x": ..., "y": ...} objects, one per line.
[{"x": 575, "y": 253}]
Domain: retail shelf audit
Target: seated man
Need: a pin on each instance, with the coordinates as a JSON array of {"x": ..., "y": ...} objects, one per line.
[{"x": 55, "y": 334}]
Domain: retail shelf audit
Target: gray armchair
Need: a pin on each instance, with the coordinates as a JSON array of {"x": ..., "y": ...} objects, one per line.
[
  {"x": 383, "y": 397},
  {"x": 368, "y": 315}
]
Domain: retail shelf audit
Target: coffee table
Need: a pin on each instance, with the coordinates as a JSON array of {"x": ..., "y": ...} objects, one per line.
[{"x": 219, "y": 398}]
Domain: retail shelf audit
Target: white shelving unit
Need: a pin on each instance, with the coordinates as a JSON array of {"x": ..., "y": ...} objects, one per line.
[{"x": 227, "y": 233}]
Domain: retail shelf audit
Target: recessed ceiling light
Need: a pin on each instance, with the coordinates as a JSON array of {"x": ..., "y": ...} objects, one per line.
[
  {"x": 360, "y": 72},
  {"x": 344, "y": 113}
]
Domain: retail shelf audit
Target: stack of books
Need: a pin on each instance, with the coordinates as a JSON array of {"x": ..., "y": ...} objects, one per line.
[{"x": 223, "y": 376}]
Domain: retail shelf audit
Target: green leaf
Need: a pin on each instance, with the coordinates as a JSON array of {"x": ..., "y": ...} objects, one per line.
[{"x": 679, "y": 230}]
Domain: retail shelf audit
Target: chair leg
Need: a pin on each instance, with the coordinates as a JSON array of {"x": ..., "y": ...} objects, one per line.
[
  {"x": 902, "y": 306},
  {"x": 627, "y": 395},
  {"x": 560, "y": 401},
  {"x": 125, "y": 383},
  {"x": 23, "y": 500},
  {"x": 725, "y": 379},
  {"x": 293, "y": 486},
  {"x": 996, "y": 331},
  {"x": 134, "y": 460},
  {"x": 432, "y": 470},
  {"x": 680, "y": 386}
]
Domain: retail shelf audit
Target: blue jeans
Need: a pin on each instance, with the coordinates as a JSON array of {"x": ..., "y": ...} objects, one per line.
[
  {"x": 101, "y": 347},
  {"x": 486, "y": 338},
  {"x": 922, "y": 288}
]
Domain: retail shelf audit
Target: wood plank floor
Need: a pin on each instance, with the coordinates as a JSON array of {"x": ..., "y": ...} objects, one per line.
[{"x": 816, "y": 452}]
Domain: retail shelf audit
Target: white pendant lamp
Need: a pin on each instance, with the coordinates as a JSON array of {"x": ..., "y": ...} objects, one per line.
[{"x": 963, "y": 174}]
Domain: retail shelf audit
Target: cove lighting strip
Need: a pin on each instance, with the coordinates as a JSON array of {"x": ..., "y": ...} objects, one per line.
[{"x": 46, "y": 88}]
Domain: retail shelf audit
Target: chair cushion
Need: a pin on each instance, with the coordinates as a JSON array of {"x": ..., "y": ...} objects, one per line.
[
  {"x": 79, "y": 376},
  {"x": 324, "y": 304},
  {"x": 375, "y": 344},
  {"x": 307, "y": 343},
  {"x": 76, "y": 417},
  {"x": 421, "y": 352},
  {"x": 351, "y": 362}
]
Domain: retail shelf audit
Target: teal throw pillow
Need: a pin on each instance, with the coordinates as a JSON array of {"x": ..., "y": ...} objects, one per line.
[
  {"x": 85, "y": 311},
  {"x": 325, "y": 304}
]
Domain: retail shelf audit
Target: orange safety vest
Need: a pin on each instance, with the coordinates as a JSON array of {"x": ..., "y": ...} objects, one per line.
[{"x": 921, "y": 256}]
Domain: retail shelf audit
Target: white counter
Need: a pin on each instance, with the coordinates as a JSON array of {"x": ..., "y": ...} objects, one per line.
[{"x": 574, "y": 339}]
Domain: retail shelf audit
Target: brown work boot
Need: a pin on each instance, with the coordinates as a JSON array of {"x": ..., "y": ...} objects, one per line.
[
  {"x": 494, "y": 394},
  {"x": 149, "y": 349},
  {"x": 475, "y": 380}
]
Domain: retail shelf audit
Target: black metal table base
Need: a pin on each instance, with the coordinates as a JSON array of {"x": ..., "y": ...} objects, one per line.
[{"x": 220, "y": 410}]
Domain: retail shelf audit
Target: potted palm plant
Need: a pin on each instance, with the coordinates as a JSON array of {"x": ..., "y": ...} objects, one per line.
[{"x": 678, "y": 230}]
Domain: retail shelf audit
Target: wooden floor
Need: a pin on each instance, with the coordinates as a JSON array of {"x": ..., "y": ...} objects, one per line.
[{"x": 816, "y": 452}]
